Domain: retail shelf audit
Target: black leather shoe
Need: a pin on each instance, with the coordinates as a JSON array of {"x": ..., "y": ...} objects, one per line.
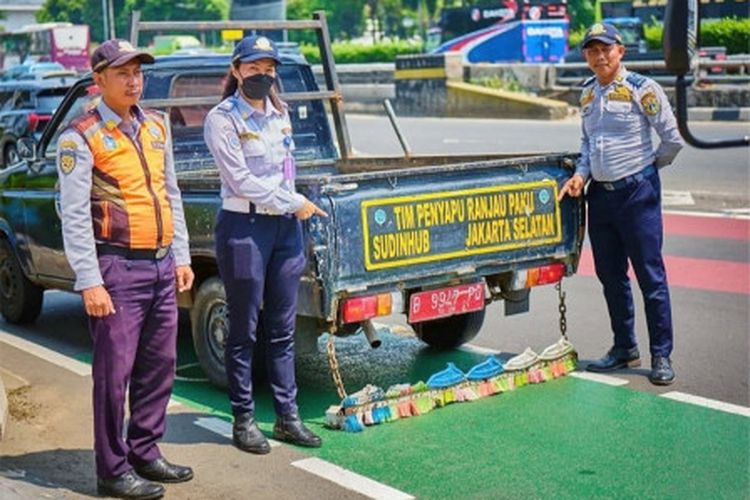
[
  {"x": 661, "y": 371},
  {"x": 129, "y": 485},
  {"x": 164, "y": 472},
  {"x": 616, "y": 359},
  {"x": 289, "y": 428},
  {"x": 247, "y": 437}
]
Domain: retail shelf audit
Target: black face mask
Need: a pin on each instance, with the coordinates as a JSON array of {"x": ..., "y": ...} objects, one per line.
[{"x": 257, "y": 86}]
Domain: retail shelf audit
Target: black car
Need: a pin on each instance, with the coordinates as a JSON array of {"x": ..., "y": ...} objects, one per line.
[{"x": 25, "y": 108}]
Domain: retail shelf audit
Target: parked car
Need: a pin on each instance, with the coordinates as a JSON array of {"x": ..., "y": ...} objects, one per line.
[
  {"x": 25, "y": 108},
  {"x": 36, "y": 70}
]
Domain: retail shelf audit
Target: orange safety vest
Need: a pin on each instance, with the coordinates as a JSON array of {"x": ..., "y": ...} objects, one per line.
[{"x": 129, "y": 204}]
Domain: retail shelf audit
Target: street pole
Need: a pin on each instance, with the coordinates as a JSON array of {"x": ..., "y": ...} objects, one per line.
[
  {"x": 111, "y": 16},
  {"x": 104, "y": 18}
]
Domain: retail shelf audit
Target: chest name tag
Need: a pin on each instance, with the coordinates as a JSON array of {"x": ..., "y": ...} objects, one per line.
[
  {"x": 248, "y": 136},
  {"x": 619, "y": 106}
]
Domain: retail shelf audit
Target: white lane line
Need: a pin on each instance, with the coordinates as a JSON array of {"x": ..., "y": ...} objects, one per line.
[
  {"x": 350, "y": 480},
  {"x": 602, "y": 379},
  {"x": 477, "y": 349},
  {"x": 676, "y": 198},
  {"x": 724, "y": 214},
  {"x": 49, "y": 355},
  {"x": 222, "y": 428},
  {"x": 708, "y": 403}
]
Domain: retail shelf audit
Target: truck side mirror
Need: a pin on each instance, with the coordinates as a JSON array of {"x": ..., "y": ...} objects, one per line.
[
  {"x": 26, "y": 148},
  {"x": 680, "y": 37},
  {"x": 681, "y": 24}
]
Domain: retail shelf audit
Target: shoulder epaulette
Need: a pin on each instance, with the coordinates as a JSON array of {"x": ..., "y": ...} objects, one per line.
[
  {"x": 589, "y": 81},
  {"x": 635, "y": 80},
  {"x": 226, "y": 105}
]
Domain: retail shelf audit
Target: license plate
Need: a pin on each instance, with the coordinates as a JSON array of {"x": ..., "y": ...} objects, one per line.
[{"x": 444, "y": 302}]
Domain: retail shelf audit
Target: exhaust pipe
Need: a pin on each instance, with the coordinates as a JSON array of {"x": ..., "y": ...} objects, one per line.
[{"x": 371, "y": 333}]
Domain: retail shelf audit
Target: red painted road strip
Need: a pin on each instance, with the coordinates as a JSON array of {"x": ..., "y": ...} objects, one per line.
[
  {"x": 700, "y": 274},
  {"x": 707, "y": 227}
]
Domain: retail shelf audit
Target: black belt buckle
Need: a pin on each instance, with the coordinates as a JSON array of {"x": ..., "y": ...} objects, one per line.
[{"x": 609, "y": 186}]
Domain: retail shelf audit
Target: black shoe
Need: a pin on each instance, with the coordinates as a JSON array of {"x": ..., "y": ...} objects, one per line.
[
  {"x": 129, "y": 485},
  {"x": 616, "y": 359},
  {"x": 661, "y": 371},
  {"x": 290, "y": 428},
  {"x": 162, "y": 471},
  {"x": 247, "y": 437}
]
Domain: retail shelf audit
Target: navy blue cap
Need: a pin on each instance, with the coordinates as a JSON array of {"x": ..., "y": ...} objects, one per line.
[
  {"x": 602, "y": 32},
  {"x": 252, "y": 48}
]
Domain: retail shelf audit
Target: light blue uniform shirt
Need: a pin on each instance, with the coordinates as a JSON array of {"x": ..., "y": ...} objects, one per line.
[
  {"x": 75, "y": 201},
  {"x": 616, "y": 123},
  {"x": 248, "y": 146}
]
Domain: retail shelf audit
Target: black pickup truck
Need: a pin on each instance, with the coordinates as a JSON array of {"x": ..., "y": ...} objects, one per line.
[{"x": 434, "y": 237}]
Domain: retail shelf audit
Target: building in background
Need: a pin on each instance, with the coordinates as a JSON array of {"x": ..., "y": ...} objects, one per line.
[{"x": 18, "y": 13}]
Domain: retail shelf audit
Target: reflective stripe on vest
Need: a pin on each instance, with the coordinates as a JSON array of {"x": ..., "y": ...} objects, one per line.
[{"x": 129, "y": 204}]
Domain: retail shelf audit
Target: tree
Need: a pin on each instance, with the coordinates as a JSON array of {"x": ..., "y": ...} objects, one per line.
[
  {"x": 345, "y": 17},
  {"x": 581, "y": 14}
]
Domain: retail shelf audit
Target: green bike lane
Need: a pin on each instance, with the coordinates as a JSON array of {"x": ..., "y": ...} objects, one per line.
[{"x": 567, "y": 437}]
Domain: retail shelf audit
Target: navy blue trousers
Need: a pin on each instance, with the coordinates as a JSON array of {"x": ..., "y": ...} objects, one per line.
[
  {"x": 626, "y": 224},
  {"x": 260, "y": 261}
]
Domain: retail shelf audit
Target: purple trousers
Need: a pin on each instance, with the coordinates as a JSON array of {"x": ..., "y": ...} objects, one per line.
[
  {"x": 261, "y": 261},
  {"x": 135, "y": 350}
]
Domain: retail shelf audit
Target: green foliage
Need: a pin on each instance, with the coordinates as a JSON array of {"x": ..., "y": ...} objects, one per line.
[
  {"x": 346, "y": 52},
  {"x": 90, "y": 12},
  {"x": 345, "y": 18},
  {"x": 732, "y": 33},
  {"x": 500, "y": 83},
  {"x": 575, "y": 37},
  {"x": 581, "y": 14}
]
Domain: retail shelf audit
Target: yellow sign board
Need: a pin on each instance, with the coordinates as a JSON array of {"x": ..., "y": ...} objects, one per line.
[
  {"x": 231, "y": 35},
  {"x": 416, "y": 229}
]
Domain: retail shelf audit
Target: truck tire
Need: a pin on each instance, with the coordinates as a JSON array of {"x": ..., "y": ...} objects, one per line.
[
  {"x": 209, "y": 321},
  {"x": 450, "y": 332},
  {"x": 20, "y": 299}
]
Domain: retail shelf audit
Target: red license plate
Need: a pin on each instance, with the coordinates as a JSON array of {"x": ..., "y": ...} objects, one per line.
[{"x": 444, "y": 302}]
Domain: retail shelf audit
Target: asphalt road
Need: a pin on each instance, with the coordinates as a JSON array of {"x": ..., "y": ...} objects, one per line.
[{"x": 718, "y": 179}]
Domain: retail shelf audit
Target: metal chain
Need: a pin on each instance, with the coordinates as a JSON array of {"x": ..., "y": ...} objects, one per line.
[
  {"x": 333, "y": 363},
  {"x": 563, "y": 309}
]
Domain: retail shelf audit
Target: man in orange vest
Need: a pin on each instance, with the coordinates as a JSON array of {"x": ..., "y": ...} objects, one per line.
[{"x": 126, "y": 240}]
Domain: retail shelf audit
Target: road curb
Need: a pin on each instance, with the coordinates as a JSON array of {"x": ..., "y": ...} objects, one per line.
[{"x": 719, "y": 114}]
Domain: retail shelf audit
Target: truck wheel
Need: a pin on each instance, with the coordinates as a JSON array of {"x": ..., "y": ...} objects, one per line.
[
  {"x": 209, "y": 320},
  {"x": 450, "y": 332},
  {"x": 20, "y": 299}
]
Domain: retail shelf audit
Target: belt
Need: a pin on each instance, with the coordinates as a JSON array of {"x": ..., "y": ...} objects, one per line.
[
  {"x": 244, "y": 206},
  {"x": 133, "y": 254},
  {"x": 628, "y": 180}
]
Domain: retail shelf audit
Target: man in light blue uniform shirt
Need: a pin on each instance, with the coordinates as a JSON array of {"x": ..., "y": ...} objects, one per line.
[{"x": 618, "y": 109}]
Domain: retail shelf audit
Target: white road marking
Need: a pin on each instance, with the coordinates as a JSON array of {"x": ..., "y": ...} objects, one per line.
[
  {"x": 724, "y": 214},
  {"x": 602, "y": 379},
  {"x": 350, "y": 480},
  {"x": 708, "y": 403},
  {"x": 49, "y": 355},
  {"x": 223, "y": 428},
  {"x": 676, "y": 198},
  {"x": 477, "y": 349}
]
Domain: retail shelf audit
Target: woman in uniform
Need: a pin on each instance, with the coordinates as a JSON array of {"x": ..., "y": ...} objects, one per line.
[{"x": 259, "y": 238}]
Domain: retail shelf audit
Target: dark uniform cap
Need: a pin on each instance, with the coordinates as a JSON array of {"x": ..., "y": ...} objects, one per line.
[
  {"x": 114, "y": 53},
  {"x": 253, "y": 48},
  {"x": 602, "y": 32}
]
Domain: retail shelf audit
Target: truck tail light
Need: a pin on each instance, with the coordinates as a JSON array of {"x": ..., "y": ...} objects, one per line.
[
  {"x": 35, "y": 120},
  {"x": 358, "y": 309},
  {"x": 543, "y": 275}
]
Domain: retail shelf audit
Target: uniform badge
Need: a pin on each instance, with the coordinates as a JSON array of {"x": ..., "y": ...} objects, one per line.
[
  {"x": 124, "y": 46},
  {"x": 597, "y": 29},
  {"x": 110, "y": 124},
  {"x": 109, "y": 142},
  {"x": 286, "y": 130},
  {"x": 249, "y": 136},
  {"x": 262, "y": 43},
  {"x": 234, "y": 141},
  {"x": 154, "y": 131},
  {"x": 650, "y": 103},
  {"x": 620, "y": 93},
  {"x": 67, "y": 160},
  {"x": 587, "y": 98}
]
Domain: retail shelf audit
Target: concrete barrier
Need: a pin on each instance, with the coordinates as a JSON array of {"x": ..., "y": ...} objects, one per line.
[{"x": 466, "y": 99}]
